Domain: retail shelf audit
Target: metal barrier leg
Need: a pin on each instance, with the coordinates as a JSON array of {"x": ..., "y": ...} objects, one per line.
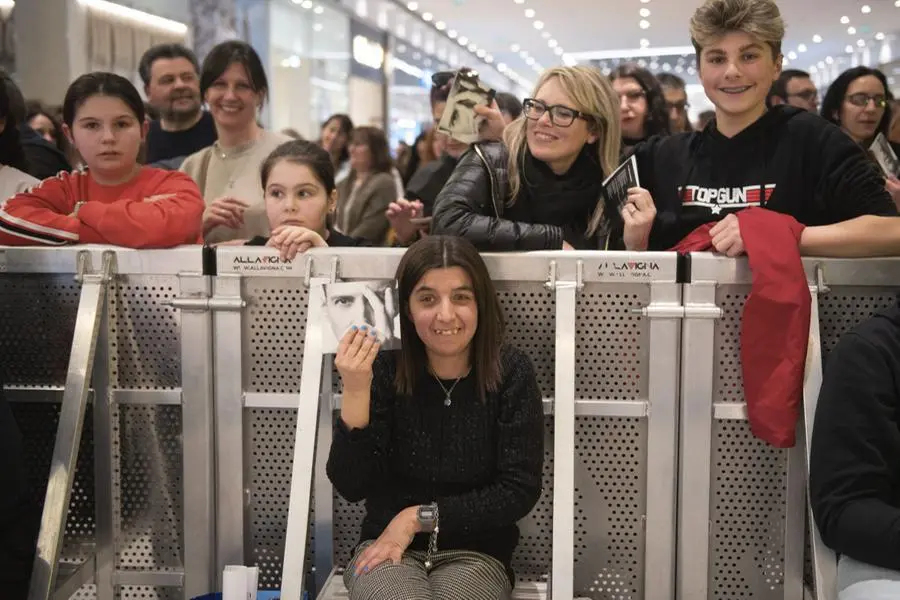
[
  {"x": 229, "y": 419},
  {"x": 324, "y": 502},
  {"x": 105, "y": 473},
  {"x": 71, "y": 422},
  {"x": 698, "y": 342},
  {"x": 823, "y": 559},
  {"x": 197, "y": 435},
  {"x": 302, "y": 472},
  {"x": 563, "y": 567},
  {"x": 662, "y": 445}
]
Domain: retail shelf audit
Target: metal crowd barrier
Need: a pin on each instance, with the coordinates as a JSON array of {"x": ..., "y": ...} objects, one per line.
[{"x": 193, "y": 385}]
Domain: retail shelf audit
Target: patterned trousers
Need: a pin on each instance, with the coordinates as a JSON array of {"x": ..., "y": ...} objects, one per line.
[{"x": 454, "y": 575}]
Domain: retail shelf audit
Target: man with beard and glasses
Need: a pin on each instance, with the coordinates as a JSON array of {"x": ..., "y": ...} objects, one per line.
[{"x": 172, "y": 84}]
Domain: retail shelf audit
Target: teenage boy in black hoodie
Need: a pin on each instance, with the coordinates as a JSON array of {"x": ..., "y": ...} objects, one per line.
[
  {"x": 784, "y": 159},
  {"x": 855, "y": 463}
]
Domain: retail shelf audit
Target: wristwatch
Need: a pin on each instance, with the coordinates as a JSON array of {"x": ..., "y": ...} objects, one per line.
[{"x": 427, "y": 515}]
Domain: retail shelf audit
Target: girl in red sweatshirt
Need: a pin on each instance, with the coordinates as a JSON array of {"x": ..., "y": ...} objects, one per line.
[{"x": 115, "y": 200}]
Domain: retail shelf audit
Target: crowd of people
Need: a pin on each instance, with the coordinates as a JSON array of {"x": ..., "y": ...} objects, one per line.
[{"x": 445, "y": 435}]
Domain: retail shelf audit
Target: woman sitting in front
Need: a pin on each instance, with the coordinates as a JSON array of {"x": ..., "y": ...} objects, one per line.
[
  {"x": 541, "y": 188},
  {"x": 298, "y": 185},
  {"x": 443, "y": 439}
]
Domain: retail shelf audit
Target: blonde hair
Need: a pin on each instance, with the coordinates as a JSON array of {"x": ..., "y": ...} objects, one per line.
[
  {"x": 760, "y": 19},
  {"x": 591, "y": 94}
]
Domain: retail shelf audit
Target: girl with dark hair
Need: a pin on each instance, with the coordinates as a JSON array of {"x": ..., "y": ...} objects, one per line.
[
  {"x": 298, "y": 186},
  {"x": 234, "y": 85},
  {"x": 642, "y": 105},
  {"x": 448, "y": 431},
  {"x": 335, "y": 139},
  {"x": 363, "y": 198},
  {"x": 14, "y": 177},
  {"x": 115, "y": 200}
]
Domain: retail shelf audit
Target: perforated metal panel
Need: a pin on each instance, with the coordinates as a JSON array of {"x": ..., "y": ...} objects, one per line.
[
  {"x": 748, "y": 515},
  {"x": 611, "y": 482},
  {"x": 274, "y": 330},
  {"x": 611, "y": 361},
  {"x": 842, "y": 309},
  {"x": 530, "y": 311},
  {"x": 36, "y": 335},
  {"x": 150, "y": 497},
  {"x": 729, "y": 382},
  {"x": 144, "y": 332},
  {"x": 747, "y": 503},
  {"x": 37, "y": 422},
  {"x": 269, "y": 435},
  {"x": 143, "y": 592}
]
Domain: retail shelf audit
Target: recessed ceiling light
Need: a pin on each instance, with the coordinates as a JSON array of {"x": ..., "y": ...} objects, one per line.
[
  {"x": 489, "y": 58},
  {"x": 529, "y": 61},
  {"x": 481, "y": 53},
  {"x": 861, "y": 43},
  {"x": 427, "y": 16},
  {"x": 821, "y": 64},
  {"x": 645, "y": 43},
  {"x": 558, "y": 51},
  {"x": 829, "y": 60},
  {"x": 845, "y": 20},
  {"x": 519, "y": 1},
  {"x": 644, "y": 12},
  {"x": 501, "y": 67},
  {"x": 865, "y": 9},
  {"x": 319, "y": 10},
  {"x": 452, "y": 34},
  {"x": 645, "y": 1},
  {"x": 552, "y": 43},
  {"x": 413, "y": 6},
  {"x": 813, "y": 69},
  {"x": 440, "y": 26},
  {"x": 307, "y": 4},
  {"x": 897, "y": 3},
  {"x": 817, "y": 38},
  {"x": 539, "y": 25},
  {"x": 529, "y": 13},
  {"x": 515, "y": 47},
  {"x": 792, "y": 55},
  {"x": 801, "y": 48},
  {"x": 851, "y": 30},
  {"x": 848, "y": 49},
  {"x": 645, "y": 24},
  {"x": 879, "y": 36},
  {"x": 463, "y": 41}
]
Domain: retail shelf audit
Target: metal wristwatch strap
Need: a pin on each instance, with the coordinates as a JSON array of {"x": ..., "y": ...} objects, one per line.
[{"x": 432, "y": 540}]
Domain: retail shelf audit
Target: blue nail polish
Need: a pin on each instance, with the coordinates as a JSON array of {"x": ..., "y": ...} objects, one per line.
[
  {"x": 364, "y": 327},
  {"x": 373, "y": 333},
  {"x": 354, "y": 328},
  {"x": 365, "y": 569}
]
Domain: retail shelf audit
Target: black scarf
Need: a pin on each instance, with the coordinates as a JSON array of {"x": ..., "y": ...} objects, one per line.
[{"x": 567, "y": 201}]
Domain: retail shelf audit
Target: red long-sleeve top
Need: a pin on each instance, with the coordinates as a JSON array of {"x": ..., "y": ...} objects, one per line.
[{"x": 156, "y": 209}]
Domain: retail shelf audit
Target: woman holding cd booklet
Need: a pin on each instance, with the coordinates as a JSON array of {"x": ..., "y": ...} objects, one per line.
[{"x": 540, "y": 189}]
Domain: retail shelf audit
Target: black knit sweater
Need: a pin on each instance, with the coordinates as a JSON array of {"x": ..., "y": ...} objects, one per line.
[{"x": 480, "y": 461}]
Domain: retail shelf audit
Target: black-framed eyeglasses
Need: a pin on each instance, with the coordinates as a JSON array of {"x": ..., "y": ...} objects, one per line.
[
  {"x": 862, "y": 100},
  {"x": 560, "y": 115}
]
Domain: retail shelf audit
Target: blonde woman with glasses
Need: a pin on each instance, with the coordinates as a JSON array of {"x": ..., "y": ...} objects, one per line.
[{"x": 540, "y": 189}]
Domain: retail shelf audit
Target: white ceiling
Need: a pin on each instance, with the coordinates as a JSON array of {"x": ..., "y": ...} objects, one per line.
[{"x": 583, "y": 27}]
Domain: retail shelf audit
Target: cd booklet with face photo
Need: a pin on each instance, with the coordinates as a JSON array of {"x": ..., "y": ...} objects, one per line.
[
  {"x": 459, "y": 120},
  {"x": 345, "y": 304}
]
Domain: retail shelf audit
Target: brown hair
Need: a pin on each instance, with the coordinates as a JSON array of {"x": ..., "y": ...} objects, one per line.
[
  {"x": 377, "y": 142},
  {"x": 301, "y": 152},
  {"x": 758, "y": 18},
  {"x": 443, "y": 252}
]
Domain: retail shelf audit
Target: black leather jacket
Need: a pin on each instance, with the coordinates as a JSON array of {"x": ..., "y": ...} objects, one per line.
[{"x": 472, "y": 203}]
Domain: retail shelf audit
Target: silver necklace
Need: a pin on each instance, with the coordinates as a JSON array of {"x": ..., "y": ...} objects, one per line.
[{"x": 447, "y": 393}]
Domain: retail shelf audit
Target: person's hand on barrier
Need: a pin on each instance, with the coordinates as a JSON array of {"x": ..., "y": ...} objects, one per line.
[
  {"x": 225, "y": 211},
  {"x": 567, "y": 246},
  {"x": 638, "y": 214},
  {"x": 491, "y": 129},
  {"x": 355, "y": 355},
  {"x": 892, "y": 185},
  {"x": 291, "y": 240},
  {"x": 400, "y": 214},
  {"x": 726, "y": 237},
  {"x": 392, "y": 542}
]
